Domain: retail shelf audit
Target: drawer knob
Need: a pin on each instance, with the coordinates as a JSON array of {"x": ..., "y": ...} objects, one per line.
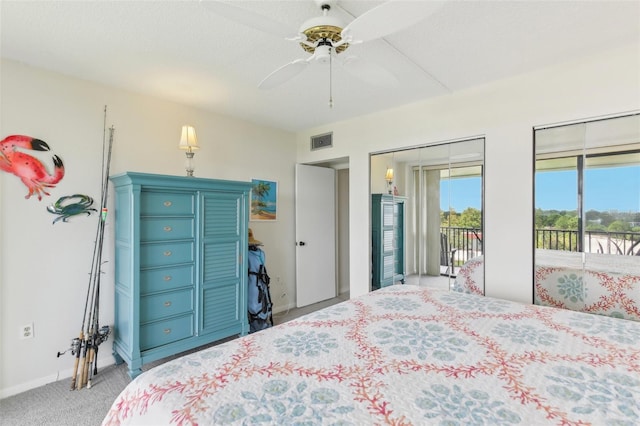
[
  {"x": 167, "y": 203},
  {"x": 167, "y": 303},
  {"x": 167, "y": 229},
  {"x": 167, "y": 277},
  {"x": 167, "y": 253},
  {"x": 167, "y": 330}
]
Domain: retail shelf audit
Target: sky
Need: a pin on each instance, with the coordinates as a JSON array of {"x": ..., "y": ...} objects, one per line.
[
  {"x": 461, "y": 193},
  {"x": 606, "y": 190}
]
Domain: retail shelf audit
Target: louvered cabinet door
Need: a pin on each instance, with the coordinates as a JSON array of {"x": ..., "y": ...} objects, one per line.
[
  {"x": 387, "y": 244},
  {"x": 399, "y": 273},
  {"x": 222, "y": 253}
]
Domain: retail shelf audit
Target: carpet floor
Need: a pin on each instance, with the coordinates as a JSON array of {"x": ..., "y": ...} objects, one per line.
[{"x": 55, "y": 405}]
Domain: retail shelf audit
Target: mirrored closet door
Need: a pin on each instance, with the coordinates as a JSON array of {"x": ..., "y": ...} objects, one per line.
[
  {"x": 587, "y": 216},
  {"x": 427, "y": 216}
]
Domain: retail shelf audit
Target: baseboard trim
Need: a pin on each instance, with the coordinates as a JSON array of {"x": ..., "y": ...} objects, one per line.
[
  {"x": 280, "y": 309},
  {"x": 60, "y": 375}
]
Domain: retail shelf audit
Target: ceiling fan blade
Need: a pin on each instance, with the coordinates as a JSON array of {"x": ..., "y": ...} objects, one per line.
[
  {"x": 370, "y": 72},
  {"x": 388, "y": 18},
  {"x": 250, "y": 19},
  {"x": 283, "y": 74}
]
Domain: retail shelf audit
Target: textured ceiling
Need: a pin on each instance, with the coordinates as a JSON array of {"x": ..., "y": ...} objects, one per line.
[{"x": 187, "y": 52}]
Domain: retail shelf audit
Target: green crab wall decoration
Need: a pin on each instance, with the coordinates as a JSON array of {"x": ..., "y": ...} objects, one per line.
[{"x": 71, "y": 205}]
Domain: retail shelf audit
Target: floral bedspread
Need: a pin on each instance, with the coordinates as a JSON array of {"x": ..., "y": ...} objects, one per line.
[
  {"x": 470, "y": 277},
  {"x": 608, "y": 285},
  {"x": 404, "y": 355},
  {"x": 603, "y": 293}
]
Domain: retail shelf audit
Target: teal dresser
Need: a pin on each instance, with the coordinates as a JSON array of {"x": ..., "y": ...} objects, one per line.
[
  {"x": 180, "y": 264},
  {"x": 387, "y": 245}
]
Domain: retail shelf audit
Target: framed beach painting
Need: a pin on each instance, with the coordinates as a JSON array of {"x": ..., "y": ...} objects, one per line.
[{"x": 264, "y": 200}]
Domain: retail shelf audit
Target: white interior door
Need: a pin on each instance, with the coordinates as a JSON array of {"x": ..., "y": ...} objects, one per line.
[{"x": 315, "y": 234}]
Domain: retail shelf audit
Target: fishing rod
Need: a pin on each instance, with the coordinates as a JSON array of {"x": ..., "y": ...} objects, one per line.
[
  {"x": 85, "y": 347},
  {"x": 94, "y": 276},
  {"x": 91, "y": 287},
  {"x": 99, "y": 334},
  {"x": 92, "y": 339}
]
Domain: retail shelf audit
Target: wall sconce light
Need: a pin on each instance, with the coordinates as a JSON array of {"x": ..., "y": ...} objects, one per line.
[
  {"x": 189, "y": 143},
  {"x": 389, "y": 178}
]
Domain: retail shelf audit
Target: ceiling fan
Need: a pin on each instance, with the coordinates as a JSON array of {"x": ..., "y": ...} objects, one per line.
[{"x": 326, "y": 36}]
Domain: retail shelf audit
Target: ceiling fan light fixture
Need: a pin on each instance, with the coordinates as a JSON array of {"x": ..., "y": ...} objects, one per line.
[
  {"x": 323, "y": 54},
  {"x": 322, "y": 32},
  {"x": 323, "y": 28}
]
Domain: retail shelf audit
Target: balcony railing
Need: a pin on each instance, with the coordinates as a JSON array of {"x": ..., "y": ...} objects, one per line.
[
  {"x": 468, "y": 242},
  {"x": 620, "y": 243}
]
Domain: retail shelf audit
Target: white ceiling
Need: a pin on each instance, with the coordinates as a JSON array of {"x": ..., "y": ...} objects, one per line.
[{"x": 183, "y": 51}]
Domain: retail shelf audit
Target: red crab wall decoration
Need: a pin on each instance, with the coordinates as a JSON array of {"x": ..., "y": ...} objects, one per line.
[{"x": 29, "y": 169}]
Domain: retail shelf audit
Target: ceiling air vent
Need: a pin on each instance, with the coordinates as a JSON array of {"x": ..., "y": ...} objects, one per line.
[{"x": 322, "y": 141}]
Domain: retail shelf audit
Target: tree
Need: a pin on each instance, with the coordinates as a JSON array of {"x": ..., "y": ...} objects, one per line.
[
  {"x": 259, "y": 190},
  {"x": 567, "y": 222},
  {"x": 596, "y": 227},
  {"x": 470, "y": 218},
  {"x": 619, "y": 226},
  {"x": 449, "y": 218},
  {"x": 607, "y": 218},
  {"x": 551, "y": 220},
  {"x": 592, "y": 215}
]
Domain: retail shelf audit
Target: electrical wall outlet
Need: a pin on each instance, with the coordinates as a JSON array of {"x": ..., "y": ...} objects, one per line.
[{"x": 26, "y": 331}]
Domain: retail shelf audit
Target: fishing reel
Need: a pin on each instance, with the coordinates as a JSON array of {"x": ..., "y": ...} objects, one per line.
[
  {"x": 75, "y": 346},
  {"x": 102, "y": 335},
  {"x": 76, "y": 343}
]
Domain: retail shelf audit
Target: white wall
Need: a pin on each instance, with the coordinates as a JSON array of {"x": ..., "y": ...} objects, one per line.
[
  {"x": 505, "y": 112},
  {"x": 43, "y": 267}
]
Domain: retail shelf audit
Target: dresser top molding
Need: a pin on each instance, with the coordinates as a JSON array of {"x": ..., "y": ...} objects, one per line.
[{"x": 186, "y": 182}]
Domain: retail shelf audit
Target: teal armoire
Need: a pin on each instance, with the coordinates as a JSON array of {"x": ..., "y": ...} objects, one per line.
[
  {"x": 180, "y": 264},
  {"x": 387, "y": 245}
]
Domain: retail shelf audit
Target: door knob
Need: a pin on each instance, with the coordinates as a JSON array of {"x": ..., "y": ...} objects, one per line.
[{"x": 302, "y": 243}]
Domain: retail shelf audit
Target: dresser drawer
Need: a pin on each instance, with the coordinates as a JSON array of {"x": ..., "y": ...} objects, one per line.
[
  {"x": 165, "y": 228},
  {"x": 162, "y": 305},
  {"x": 153, "y": 280},
  {"x": 160, "y": 254},
  {"x": 166, "y": 203},
  {"x": 163, "y": 332}
]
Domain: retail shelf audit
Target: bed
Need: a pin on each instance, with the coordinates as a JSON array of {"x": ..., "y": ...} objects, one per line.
[
  {"x": 601, "y": 284},
  {"x": 404, "y": 355}
]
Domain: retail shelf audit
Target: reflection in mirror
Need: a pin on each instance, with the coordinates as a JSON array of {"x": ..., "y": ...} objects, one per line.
[
  {"x": 388, "y": 218},
  {"x": 426, "y": 225},
  {"x": 587, "y": 216}
]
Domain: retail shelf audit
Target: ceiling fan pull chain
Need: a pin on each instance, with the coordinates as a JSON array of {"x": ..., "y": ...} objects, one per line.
[{"x": 330, "y": 78}]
